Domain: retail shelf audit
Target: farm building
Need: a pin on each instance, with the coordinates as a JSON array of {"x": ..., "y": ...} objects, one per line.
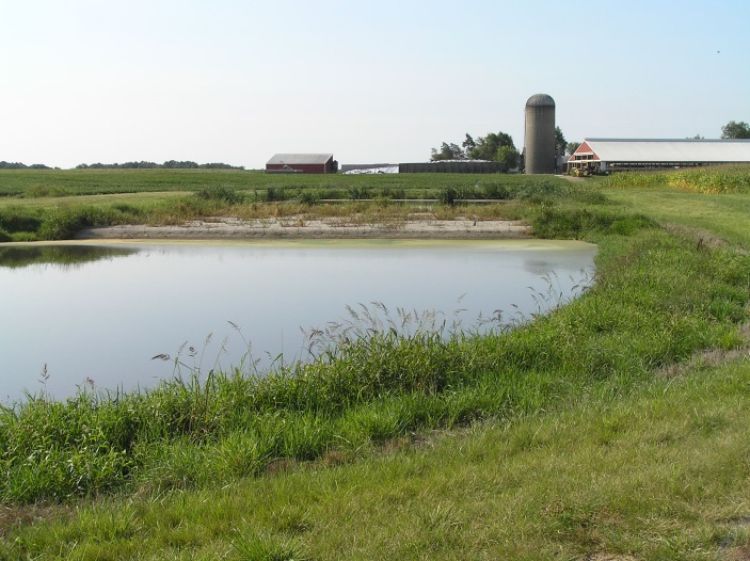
[
  {"x": 302, "y": 163},
  {"x": 453, "y": 166},
  {"x": 597, "y": 155},
  {"x": 539, "y": 137}
]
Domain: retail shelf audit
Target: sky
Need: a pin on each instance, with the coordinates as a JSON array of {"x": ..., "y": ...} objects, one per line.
[{"x": 381, "y": 81}]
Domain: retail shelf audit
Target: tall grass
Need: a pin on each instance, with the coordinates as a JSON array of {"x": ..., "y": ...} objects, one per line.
[
  {"x": 657, "y": 299},
  {"x": 707, "y": 180}
]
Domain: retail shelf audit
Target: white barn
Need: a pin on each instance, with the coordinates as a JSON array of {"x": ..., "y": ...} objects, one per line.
[{"x": 618, "y": 154}]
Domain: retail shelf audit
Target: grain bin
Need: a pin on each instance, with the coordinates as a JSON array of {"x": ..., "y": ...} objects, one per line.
[{"x": 539, "y": 142}]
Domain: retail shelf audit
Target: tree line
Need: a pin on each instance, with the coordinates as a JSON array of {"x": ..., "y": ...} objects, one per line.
[
  {"x": 170, "y": 164},
  {"x": 19, "y": 165},
  {"x": 495, "y": 147}
]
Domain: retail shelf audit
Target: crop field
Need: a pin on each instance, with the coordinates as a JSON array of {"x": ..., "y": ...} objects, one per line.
[
  {"x": 57, "y": 183},
  {"x": 614, "y": 428}
]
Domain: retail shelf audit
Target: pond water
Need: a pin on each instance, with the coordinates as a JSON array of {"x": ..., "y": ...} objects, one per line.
[{"x": 97, "y": 315}]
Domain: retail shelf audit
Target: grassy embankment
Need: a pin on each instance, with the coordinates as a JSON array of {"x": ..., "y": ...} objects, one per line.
[
  {"x": 48, "y": 205},
  {"x": 584, "y": 450}
]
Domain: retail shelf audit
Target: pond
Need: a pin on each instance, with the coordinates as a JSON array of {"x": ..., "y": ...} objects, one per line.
[{"x": 112, "y": 316}]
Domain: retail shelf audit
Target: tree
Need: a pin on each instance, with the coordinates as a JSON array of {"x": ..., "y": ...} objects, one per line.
[
  {"x": 448, "y": 152},
  {"x": 560, "y": 144},
  {"x": 468, "y": 144},
  {"x": 572, "y": 147},
  {"x": 734, "y": 129},
  {"x": 494, "y": 147},
  {"x": 508, "y": 156},
  {"x": 487, "y": 146}
]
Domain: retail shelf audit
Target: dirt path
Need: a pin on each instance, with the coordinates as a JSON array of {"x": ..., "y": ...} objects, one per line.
[{"x": 316, "y": 229}]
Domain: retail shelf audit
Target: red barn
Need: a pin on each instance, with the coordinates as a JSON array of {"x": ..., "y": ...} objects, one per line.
[{"x": 302, "y": 163}]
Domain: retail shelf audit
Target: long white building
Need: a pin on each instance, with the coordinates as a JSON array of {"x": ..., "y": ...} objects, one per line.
[{"x": 597, "y": 155}]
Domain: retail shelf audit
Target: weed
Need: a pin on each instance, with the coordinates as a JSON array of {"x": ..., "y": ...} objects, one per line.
[
  {"x": 575, "y": 223},
  {"x": 261, "y": 548},
  {"x": 309, "y": 198},
  {"x": 65, "y": 223},
  {"x": 274, "y": 194},
  {"x": 358, "y": 192},
  {"x": 448, "y": 196},
  {"x": 220, "y": 193}
]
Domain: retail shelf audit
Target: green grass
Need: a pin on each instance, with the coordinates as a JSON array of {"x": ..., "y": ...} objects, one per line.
[
  {"x": 658, "y": 298},
  {"x": 56, "y": 183},
  {"x": 707, "y": 180},
  {"x": 723, "y": 216},
  {"x": 657, "y": 473},
  {"x": 593, "y": 431}
]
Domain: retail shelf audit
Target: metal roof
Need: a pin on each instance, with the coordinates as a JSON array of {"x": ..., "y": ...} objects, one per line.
[
  {"x": 669, "y": 150},
  {"x": 299, "y": 159}
]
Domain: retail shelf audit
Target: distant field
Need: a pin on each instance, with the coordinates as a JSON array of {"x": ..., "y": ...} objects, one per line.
[{"x": 50, "y": 183}]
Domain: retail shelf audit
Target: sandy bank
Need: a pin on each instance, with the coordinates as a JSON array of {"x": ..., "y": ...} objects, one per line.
[{"x": 316, "y": 229}]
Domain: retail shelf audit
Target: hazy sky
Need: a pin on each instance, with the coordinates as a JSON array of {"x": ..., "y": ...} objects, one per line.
[{"x": 222, "y": 80}]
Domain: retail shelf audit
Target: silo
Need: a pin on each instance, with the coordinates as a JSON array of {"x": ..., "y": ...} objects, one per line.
[{"x": 539, "y": 139}]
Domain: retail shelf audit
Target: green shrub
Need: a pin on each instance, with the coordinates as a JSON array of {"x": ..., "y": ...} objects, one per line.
[
  {"x": 220, "y": 193},
  {"x": 555, "y": 223},
  {"x": 358, "y": 193},
  {"x": 495, "y": 191},
  {"x": 393, "y": 193},
  {"x": 274, "y": 194},
  {"x": 309, "y": 197},
  {"x": 63, "y": 224},
  {"x": 17, "y": 219},
  {"x": 448, "y": 196},
  {"x": 537, "y": 190}
]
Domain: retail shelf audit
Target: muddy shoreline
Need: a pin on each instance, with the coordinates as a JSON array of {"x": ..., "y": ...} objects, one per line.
[{"x": 316, "y": 229}]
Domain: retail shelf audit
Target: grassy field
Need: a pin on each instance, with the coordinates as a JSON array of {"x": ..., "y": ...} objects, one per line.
[
  {"x": 709, "y": 180},
  {"x": 614, "y": 428},
  {"x": 54, "y": 205},
  {"x": 58, "y": 183},
  {"x": 658, "y": 474}
]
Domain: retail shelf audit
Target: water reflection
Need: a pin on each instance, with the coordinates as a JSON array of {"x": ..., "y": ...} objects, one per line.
[
  {"x": 90, "y": 315},
  {"x": 16, "y": 257}
]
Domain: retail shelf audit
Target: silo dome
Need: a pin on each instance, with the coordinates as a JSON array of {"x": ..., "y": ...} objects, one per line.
[
  {"x": 539, "y": 141},
  {"x": 540, "y": 100}
]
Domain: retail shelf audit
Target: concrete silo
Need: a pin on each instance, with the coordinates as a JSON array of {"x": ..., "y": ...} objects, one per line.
[{"x": 539, "y": 141}]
